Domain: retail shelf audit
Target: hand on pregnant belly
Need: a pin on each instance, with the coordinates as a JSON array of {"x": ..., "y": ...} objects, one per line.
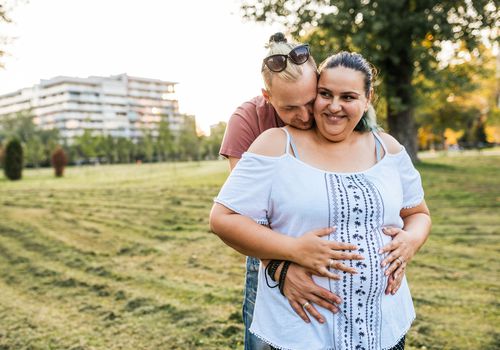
[
  {"x": 320, "y": 255},
  {"x": 400, "y": 251}
]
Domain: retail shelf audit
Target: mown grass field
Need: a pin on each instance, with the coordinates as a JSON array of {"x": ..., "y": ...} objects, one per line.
[{"x": 120, "y": 257}]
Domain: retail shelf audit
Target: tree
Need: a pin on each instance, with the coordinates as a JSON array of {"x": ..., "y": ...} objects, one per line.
[
  {"x": 146, "y": 145},
  {"x": 123, "y": 150},
  {"x": 2, "y": 155},
  {"x": 164, "y": 141},
  {"x": 3, "y": 18},
  {"x": 59, "y": 161},
  {"x": 50, "y": 141},
  {"x": 19, "y": 126},
  {"x": 401, "y": 37},
  {"x": 37, "y": 143},
  {"x": 13, "y": 163},
  {"x": 188, "y": 142},
  {"x": 106, "y": 148},
  {"x": 86, "y": 145},
  {"x": 211, "y": 144},
  {"x": 34, "y": 151},
  {"x": 459, "y": 96}
]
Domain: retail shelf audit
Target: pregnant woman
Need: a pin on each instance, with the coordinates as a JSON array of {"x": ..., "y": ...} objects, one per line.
[{"x": 339, "y": 174}]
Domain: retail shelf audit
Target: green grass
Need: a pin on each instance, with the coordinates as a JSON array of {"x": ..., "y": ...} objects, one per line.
[
  {"x": 120, "y": 257},
  {"x": 455, "y": 278}
]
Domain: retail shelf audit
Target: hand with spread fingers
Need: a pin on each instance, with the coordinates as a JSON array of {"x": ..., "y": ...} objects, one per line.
[
  {"x": 400, "y": 251},
  {"x": 302, "y": 292},
  {"x": 320, "y": 256}
]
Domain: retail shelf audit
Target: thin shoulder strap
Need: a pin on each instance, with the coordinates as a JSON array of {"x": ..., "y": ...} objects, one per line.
[
  {"x": 289, "y": 142},
  {"x": 377, "y": 149},
  {"x": 379, "y": 144}
]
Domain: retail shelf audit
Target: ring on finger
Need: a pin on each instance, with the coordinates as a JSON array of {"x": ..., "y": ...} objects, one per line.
[
  {"x": 400, "y": 261},
  {"x": 306, "y": 305},
  {"x": 330, "y": 263}
]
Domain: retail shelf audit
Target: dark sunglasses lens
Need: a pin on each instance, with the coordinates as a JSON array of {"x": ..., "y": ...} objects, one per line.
[
  {"x": 276, "y": 63},
  {"x": 300, "y": 54}
]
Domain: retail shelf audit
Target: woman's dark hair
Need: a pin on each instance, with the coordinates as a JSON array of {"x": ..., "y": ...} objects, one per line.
[{"x": 356, "y": 62}]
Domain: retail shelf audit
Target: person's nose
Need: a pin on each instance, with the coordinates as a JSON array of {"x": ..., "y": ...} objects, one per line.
[
  {"x": 310, "y": 110},
  {"x": 335, "y": 105},
  {"x": 305, "y": 114}
]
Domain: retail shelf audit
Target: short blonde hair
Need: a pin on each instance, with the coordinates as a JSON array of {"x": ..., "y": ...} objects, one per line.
[{"x": 278, "y": 45}]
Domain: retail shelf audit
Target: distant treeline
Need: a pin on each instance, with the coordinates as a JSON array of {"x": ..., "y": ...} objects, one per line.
[{"x": 89, "y": 148}]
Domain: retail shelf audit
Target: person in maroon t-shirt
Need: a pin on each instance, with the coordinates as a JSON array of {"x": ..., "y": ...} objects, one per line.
[
  {"x": 287, "y": 99},
  {"x": 250, "y": 120}
]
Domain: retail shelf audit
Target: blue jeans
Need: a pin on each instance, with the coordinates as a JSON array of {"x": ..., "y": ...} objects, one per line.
[{"x": 251, "y": 341}]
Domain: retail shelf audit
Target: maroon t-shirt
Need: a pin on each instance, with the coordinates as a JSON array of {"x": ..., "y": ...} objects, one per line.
[{"x": 249, "y": 120}]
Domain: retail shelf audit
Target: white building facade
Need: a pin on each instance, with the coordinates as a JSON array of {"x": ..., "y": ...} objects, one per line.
[{"x": 120, "y": 105}]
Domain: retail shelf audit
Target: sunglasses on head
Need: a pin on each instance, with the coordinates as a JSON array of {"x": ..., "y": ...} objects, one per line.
[{"x": 277, "y": 63}]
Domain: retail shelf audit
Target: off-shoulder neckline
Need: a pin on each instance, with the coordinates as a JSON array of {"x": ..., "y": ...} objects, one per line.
[{"x": 285, "y": 155}]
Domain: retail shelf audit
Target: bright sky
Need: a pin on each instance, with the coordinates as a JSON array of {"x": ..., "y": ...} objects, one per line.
[{"x": 205, "y": 46}]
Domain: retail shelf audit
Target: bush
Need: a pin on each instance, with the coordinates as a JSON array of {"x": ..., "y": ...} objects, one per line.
[
  {"x": 59, "y": 161},
  {"x": 13, "y": 160},
  {"x": 2, "y": 155}
]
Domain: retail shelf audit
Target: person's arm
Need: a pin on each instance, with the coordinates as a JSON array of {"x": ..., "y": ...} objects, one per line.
[
  {"x": 405, "y": 244},
  {"x": 311, "y": 254},
  {"x": 416, "y": 220},
  {"x": 252, "y": 239},
  {"x": 309, "y": 250},
  {"x": 232, "y": 162}
]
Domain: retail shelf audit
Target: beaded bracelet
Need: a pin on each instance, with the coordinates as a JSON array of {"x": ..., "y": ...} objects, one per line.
[
  {"x": 272, "y": 267},
  {"x": 270, "y": 270},
  {"x": 281, "y": 282}
]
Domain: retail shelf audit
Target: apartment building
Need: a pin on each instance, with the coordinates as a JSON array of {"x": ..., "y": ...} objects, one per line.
[{"x": 119, "y": 105}]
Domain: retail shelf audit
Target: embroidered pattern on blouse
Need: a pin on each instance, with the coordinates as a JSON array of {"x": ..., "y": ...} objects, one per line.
[{"x": 356, "y": 209}]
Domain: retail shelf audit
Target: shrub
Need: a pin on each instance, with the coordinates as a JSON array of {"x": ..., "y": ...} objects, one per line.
[
  {"x": 59, "y": 161},
  {"x": 13, "y": 160},
  {"x": 2, "y": 155}
]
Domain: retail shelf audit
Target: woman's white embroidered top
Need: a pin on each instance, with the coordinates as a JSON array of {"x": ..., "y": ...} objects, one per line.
[{"x": 294, "y": 197}]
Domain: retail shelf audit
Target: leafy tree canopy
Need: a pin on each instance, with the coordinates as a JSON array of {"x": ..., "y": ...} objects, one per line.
[{"x": 401, "y": 38}]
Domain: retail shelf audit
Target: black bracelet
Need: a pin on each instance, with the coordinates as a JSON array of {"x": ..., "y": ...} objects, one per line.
[
  {"x": 273, "y": 265},
  {"x": 281, "y": 282}
]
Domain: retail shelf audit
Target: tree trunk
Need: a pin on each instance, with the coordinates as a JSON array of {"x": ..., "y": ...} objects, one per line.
[
  {"x": 402, "y": 127},
  {"x": 400, "y": 107}
]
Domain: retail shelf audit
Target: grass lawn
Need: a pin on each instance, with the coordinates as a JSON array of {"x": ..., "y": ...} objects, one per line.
[{"x": 120, "y": 257}]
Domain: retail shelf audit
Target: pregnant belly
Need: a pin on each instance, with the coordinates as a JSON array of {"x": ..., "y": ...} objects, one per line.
[{"x": 359, "y": 320}]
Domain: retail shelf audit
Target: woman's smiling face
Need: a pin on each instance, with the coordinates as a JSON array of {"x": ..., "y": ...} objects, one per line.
[{"x": 340, "y": 102}]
